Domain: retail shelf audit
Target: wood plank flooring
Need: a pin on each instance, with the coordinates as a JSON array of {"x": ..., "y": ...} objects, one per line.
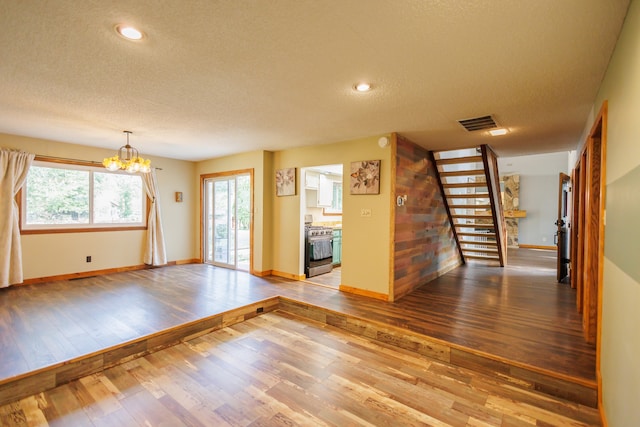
[
  {"x": 281, "y": 370},
  {"x": 332, "y": 279},
  {"x": 517, "y": 313}
]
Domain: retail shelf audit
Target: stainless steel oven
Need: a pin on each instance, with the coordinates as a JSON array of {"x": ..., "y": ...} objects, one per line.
[{"x": 318, "y": 252}]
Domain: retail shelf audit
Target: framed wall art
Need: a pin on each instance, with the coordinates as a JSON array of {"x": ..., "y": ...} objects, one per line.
[
  {"x": 365, "y": 177},
  {"x": 286, "y": 182}
]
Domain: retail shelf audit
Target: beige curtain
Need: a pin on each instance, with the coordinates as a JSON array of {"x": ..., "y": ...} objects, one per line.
[
  {"x": 14, "y": 166},
  {"x": 155, "y": 252}
]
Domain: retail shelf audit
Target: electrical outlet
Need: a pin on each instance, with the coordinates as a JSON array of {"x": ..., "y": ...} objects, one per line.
[
  {"x": 365, "y": 212},
  {"x": 88, "y": 258}
]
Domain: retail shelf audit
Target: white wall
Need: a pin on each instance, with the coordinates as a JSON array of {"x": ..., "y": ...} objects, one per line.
[
  {"x": 539, "y": 175},
  {"x": 620, "y": 335},
  {"x": 46, "y": 255}
]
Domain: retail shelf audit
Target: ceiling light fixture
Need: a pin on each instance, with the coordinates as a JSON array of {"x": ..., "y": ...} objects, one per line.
[
  {"x": 127, "y": 159},
  {"x": 362, "y": 87},
  {"x": 498, "y": 132},
  {"x": 129, "y": 33}
]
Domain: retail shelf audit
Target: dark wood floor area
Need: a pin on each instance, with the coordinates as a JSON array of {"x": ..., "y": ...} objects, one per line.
[
  {"x": 515, "y": 313},
  {"x": 518, "y": 312},
  {"x": 282, "y": 370}
]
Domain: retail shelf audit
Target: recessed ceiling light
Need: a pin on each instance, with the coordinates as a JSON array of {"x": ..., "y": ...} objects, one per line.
[
  {"x": 498, "y": 132},
  {"x": 129, "y": 32},
  {"x": 362, "y": 87}
]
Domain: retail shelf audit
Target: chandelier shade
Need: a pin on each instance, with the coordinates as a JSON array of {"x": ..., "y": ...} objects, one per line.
[{"x": 127, "y": 159}]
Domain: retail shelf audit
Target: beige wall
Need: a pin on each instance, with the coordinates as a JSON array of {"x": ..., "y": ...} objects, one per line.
[
  {"x": 620, "y": 339},
  {"x": 261, "y": 162},
  {"x": 47, "y": 255},
  {"x": 365, "y": 240},
  {"x": 278, "y": 220}
]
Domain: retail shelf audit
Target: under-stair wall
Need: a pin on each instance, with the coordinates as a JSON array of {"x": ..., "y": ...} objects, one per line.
[{"x": 423, "y": 245}]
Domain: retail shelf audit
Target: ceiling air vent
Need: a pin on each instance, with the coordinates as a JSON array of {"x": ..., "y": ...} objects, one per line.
[{"x": 478, "y": 123}]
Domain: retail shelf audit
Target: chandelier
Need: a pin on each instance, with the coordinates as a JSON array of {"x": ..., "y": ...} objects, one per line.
[{"x": 127, "y": 159}]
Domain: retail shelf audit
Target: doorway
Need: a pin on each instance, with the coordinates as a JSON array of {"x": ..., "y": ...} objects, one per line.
[
  {"x": 563, "y": 225},
  {"x": 227, "y": 220},
  {"x": 588, "y": 234},
  {"x": 321, "y": 213}
]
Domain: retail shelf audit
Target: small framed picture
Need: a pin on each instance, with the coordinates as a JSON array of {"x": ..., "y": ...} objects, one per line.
[
  {"x": 286, "y": 182},
  {"x": 365, "y": 177},
  {"x": 179, "y": 196}
]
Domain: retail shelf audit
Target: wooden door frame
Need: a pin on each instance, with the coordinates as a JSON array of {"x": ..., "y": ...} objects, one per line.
[
  {"x": 577, "y": 221},
  {"x": 594, "y": 226},
  {"x": 204, "y": 177},
  {"x": 588, "y": 234},
  {"x": 562, "y": 179}
]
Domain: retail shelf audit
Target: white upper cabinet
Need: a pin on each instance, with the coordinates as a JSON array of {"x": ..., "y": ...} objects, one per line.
[
  {"x": 325, "y": 191},
  {"x": 311, "y": 180}
]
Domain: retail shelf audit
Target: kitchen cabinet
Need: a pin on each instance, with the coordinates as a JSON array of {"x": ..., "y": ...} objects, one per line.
[
  {"x": 311, "y": 180},
  {"x": 320, "y": 196},
  {"x": 325, "y": 192},
  {"x": 337, "y": 246},
  {"x": 311, "y": 198}
]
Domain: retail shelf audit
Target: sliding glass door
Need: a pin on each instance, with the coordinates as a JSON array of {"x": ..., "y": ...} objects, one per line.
[{"x": 227, "y": 214}]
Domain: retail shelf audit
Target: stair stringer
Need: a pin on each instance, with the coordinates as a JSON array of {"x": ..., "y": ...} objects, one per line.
[{"x": 490, "y": 161}]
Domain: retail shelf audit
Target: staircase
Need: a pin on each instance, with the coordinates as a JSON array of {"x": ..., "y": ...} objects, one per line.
[{"x": 470, "y": 184}]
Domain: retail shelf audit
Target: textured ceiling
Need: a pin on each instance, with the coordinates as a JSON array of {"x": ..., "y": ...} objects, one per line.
[{"x": 213, "y": 78}]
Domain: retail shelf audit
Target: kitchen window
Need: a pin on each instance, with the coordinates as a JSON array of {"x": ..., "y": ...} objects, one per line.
[{"x": 62, "y": 197}]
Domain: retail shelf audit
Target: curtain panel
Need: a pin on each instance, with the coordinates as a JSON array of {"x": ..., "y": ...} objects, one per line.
[
  {"x": 14, "y": 166},
  {"x": 155, "y": 251}
]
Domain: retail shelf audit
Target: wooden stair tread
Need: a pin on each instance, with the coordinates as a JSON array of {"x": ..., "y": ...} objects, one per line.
[
  {"x": 476, "y": 250},
  {"x": 471, "y": 216},
  {"x": 467, "y": 225},
  {"x": 465, "y": 185},
  {"x": 458, "y": 160},
  {"x": 472, "y": 172},
  {"x": 468, "y": 196},
  {"x": 477, "y": 242},
  {"x": 483, "y": 207},
  {"x": 488, "y": 258},
  {"x": 471, "y": 234}
]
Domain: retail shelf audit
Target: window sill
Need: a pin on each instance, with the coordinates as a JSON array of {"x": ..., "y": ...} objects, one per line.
[{"x": 80, "y": 230}]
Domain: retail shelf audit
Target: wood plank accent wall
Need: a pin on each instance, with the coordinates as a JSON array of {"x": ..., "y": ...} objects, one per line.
[{"x": 424, "y": 246}]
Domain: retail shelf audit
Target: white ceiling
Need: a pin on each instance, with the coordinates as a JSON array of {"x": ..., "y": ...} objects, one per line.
[{"x": 213, "y": 78}]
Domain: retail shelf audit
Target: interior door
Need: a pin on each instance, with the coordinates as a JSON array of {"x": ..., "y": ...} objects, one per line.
[
  {"x": 562, "y": 224},
  {"x": 227, "y": 221}
]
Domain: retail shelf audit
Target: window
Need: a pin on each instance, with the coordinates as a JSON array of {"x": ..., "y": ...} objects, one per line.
[{"x": 76, "y": 197}]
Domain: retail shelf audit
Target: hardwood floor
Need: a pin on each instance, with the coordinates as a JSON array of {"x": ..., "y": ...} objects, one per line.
[
  {"x": 519, "y": 313},
  {"x": 332, "y": 279},
  {"x": 281, "y": 370},
  {"x": 514, "y": 321}
]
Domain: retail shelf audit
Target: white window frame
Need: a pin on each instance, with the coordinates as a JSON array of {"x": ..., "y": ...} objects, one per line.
[{"x": 91, "y": 226}]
